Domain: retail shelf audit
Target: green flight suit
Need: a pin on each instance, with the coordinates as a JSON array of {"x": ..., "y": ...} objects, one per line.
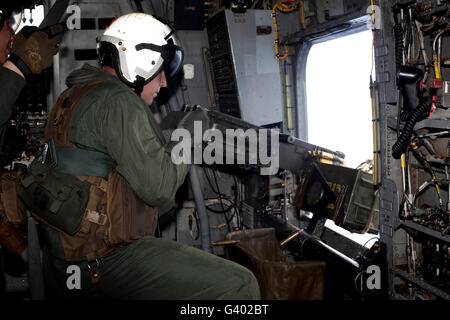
[{"x": 114, "y": 120}]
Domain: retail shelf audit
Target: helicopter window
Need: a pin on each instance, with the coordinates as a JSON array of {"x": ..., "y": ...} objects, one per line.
[
  {"x": 339, "y": 110},
  {"x": 33, "y": 18},
  {"x": 338, "y": 96}
]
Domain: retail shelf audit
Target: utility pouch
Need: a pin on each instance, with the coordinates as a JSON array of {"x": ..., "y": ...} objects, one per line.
[{"x": 59, "y": 199}]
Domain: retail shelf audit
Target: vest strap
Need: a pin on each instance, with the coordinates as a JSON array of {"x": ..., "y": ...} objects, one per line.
[{"x": 83, "y": 162}]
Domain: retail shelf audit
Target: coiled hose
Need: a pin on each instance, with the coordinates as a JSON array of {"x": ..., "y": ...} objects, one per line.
[
  {"x": 398, "y": 35},
  {"x": 405, "y": 137}
]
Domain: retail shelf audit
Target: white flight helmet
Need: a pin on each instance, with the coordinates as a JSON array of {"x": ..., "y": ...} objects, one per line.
[{"x": 140, "y": 47}]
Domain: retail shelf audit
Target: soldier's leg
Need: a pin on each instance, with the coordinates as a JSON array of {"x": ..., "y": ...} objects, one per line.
[{"x": 155, "y": 268}]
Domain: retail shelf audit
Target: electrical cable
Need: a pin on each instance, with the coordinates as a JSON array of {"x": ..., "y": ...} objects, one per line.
[
  {"x": 437, "y": 72},
  {"x": 220, "y": 211},
  {"x": 420, "y": 189},
  {"x": 302, "y": 13},
  {"x": 197, "y": 224},
  {"x": 221, "y": 202},
  {"x": 427, "y": 165},
  {"x": 370, "y": 240},
  {"x": 439, "y": 52},
  {"x": 356, "y": 279},
  {"x": 405, "y": 137},
  {"x": 210, "y": 183},
  {"x": 194, "y": 214},
  {"x": 236, "y": 212},
  {"x": 407, "y": 37},
  {"x": 399, "y": 61},
  {"x": 281, "y": 6},
  {"x": 229, "y": 207},
  {"x": 398, "y": 36},
  {"x": 414, "y": 35},
  {"x": 399, "y": 111},
  {"x": 424, "y": 52}
]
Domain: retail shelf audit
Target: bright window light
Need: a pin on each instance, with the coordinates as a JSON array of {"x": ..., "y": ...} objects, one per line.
[
  {"x": 364, "y": 239},
  {"x": 32, "y": 17},
  {"x": 339, "y": 105},
  {"x": 338, "y": 96}
]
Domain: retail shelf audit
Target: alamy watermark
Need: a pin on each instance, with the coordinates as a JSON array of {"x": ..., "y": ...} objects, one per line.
[
  {"x": 74, "y": 20},
  {"x": 368, "y": 280},
  {"x": 238, "y": 145},
  {"x": 74, "y": 279}
]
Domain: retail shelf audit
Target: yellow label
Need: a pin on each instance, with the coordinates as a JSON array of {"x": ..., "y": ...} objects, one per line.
[{"x": 334, "y": 186}]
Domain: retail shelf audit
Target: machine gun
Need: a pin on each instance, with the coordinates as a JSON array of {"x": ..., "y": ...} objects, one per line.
[{"x": 326, "y": 189}]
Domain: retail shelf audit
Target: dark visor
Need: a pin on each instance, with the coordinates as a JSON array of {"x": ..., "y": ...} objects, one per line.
[{"x": 172, "y": 55}]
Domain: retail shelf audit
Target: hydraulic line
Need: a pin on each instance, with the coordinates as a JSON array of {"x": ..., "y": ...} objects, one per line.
[
  {"x": 404, "y": 167},
  {"x": 426, "y": 184},
  {"x": 436, "y": 63}
]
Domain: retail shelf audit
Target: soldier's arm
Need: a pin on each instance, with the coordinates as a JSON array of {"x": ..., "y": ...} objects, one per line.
[
  {"x": 142, "y": 160},
  {"x": 11, "y": 83}
]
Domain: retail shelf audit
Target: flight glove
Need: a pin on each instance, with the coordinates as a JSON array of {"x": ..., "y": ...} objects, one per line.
[
  {"x": 33, "y": 51},
  {"x": 199, "y": 115}
]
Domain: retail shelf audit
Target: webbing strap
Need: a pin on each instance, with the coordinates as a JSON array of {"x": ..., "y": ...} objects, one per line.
[{"x": 84, "y": 162}]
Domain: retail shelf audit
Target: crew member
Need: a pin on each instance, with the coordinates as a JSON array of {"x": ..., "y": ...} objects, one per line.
[
  {"x": 31, "y": 53},
  {"x": 103, "y": 134}
]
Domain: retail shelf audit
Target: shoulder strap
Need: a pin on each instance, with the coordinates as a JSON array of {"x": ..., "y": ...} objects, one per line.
[
  {"x": 58, "y": 125},
  {"x": 69, "y": 158}
]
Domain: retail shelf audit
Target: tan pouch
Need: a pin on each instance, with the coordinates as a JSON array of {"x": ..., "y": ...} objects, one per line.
[
  {"x": 12, "y": 205},
  {"x": 130, "y": 218},
  {"x": 91, "y": 236},
  {"x": 11, "y": 238}
]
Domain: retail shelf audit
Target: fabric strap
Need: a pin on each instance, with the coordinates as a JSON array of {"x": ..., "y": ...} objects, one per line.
[{"x": 83, "y": 162}]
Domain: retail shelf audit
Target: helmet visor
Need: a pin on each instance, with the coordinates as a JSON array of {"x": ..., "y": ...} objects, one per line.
[{"x": 173, "y": 59}]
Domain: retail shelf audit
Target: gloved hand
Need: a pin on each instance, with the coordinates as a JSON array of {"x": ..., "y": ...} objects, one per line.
[
  {"x": 34, "y": 49},
  {"x": 200, "y": 114},
  {"x": 171, "y": 121}
]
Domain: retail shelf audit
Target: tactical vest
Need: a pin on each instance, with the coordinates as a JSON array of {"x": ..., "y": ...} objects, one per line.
[
  {"x": 115, "y": 215},
  {"x": 12, "y": 212}
]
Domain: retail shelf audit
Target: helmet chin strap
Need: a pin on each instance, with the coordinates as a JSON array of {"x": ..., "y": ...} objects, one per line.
[{"x": 139, "y": 84}]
